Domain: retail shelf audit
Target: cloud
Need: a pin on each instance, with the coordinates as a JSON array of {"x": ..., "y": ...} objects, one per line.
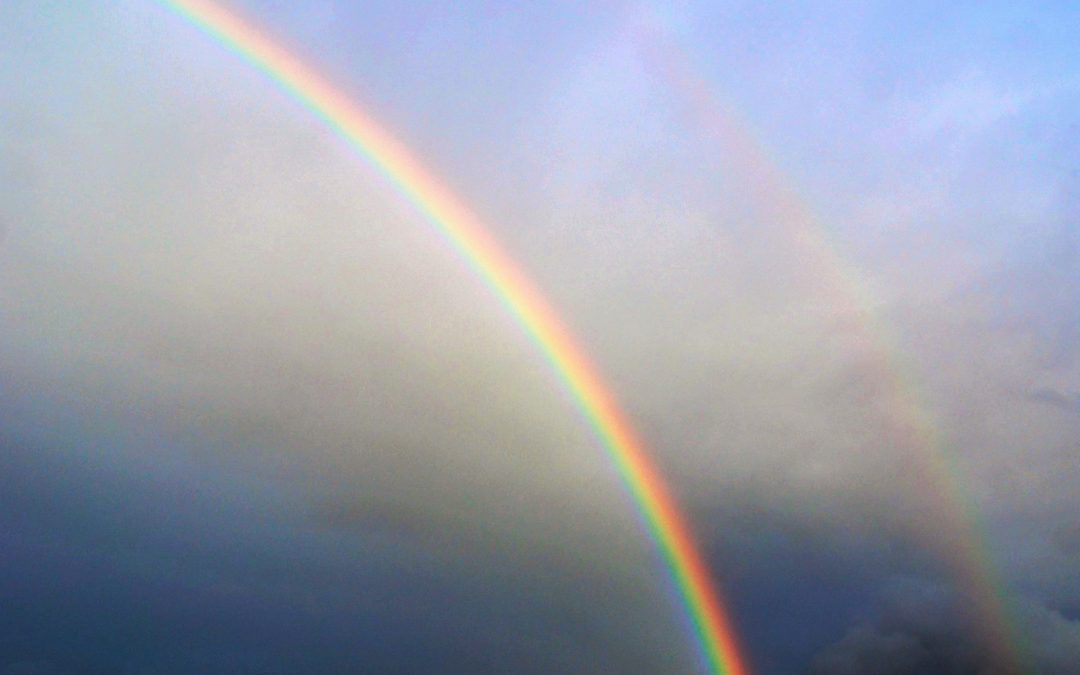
[
  {"x": 967, "y": 104},
  {"x": 1069, "y": 402},
  {"x": 31, "y": 668},
  {"x": 923, "y": 629},
  {"x": 370, "y": 516},
  {"x": 866, "y": 651},
  {"x": 1066, "y": 538}
]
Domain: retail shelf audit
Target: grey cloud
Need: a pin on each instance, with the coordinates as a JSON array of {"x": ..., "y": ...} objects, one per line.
[
  {"x": 385, "y": 517},
  {"x": 923, "y": 629},
  {"x": 1069, "y": 402},
  {"x": 865, "y": 650},
  {"x": 1066, "y": 538}
]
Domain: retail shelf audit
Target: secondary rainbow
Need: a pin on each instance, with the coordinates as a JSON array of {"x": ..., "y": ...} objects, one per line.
[
  {"x": 463, "y": 230},
  {"x": 957, "y": 532}
]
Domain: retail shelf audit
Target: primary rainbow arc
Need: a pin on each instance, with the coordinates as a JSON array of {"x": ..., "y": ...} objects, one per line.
[{"x": 463, "y": 230}]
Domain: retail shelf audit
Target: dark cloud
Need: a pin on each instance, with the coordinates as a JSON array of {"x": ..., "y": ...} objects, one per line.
[
  {"x": 31, "y": 668},
  {"x": 866, "y": 651},
  {"x": 924, "y": 629},
  {"x": 202, "y": 570}
]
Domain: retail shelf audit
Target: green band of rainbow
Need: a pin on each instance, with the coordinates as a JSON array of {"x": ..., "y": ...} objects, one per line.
[{"x": 664, "y": 521}]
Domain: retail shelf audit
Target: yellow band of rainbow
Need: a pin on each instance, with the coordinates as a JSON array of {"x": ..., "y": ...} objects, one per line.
[{"x": 461, "y": 228}]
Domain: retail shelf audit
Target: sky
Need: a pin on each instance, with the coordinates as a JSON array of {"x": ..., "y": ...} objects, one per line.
[{"x": 256, "y": 415}]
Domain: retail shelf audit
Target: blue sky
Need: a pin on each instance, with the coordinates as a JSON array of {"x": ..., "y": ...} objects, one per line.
[{"x": 255, "y": 417}]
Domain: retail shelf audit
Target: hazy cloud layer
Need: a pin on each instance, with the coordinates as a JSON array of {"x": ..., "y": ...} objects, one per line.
[{"x": 256, "y": 416}]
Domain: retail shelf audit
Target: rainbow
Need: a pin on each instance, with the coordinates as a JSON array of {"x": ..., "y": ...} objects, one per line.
[
  {"x": 665, "y": 523},
  {"x": 957, "y": 535}
]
